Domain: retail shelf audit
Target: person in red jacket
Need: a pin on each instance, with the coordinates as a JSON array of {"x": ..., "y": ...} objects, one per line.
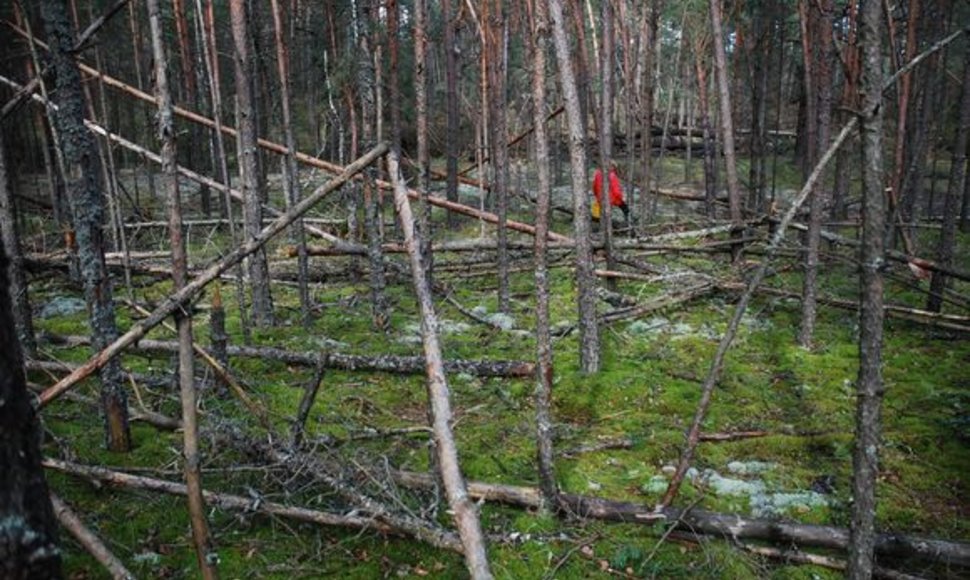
[{"x": 616, "y": 192}]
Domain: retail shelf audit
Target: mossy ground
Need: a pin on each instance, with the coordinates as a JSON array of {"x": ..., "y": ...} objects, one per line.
[{"x": 646, "y": 393}]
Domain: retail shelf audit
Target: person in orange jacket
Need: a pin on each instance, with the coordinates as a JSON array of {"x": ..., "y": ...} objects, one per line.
[{"x": 616, "y": 192}]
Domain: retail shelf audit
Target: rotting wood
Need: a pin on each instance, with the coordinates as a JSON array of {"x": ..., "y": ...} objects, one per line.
[
  {"x": 91, "y": 542},
  {"x": 799, "y": 557},
  {"x": 176, "y": 300},
  {"x": 345, "y": 362},
  {"x": 733, "y": 527},
  {"x": 444, "y": 540}
]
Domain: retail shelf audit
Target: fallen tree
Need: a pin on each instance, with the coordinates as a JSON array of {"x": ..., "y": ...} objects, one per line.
[
  {"x": 345, "y": 362},
  {"x": 729, "y": 526}
]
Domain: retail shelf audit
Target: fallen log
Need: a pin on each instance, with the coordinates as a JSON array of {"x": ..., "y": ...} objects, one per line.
[
  {"x": 939, "y": 320},
  {"x": 345, "y": 362},
  {"x": 443, "y": 539},
  {"x": 734, "y": 527}
]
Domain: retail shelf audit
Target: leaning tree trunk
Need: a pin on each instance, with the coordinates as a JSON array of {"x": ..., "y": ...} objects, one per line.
[
  {"x": 869, "y": 384},
  {"x": 83, "y": 179},
  {"x": 462, "y": 508},
  {"x": 204, "y": 551},
  {"x": 589, "y": 340},
  {"x": 944, "y": 250},
  {"x": 249, "y": 161},
  {"x": 11, "y": 240},
  {"x": 28, "y": 532},
  {"x": 544, "y": 368}
]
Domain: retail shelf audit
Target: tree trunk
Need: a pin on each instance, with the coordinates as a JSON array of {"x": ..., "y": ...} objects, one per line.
[
  {"x": 451, "y": 106},
  {"x": 421, "y": 121},
  {"x": 944, "y": 249},
  {"x": 464, "y": 511},
  {"x": 869, "y": 384},
  {"x": 87, "y": 207},
  {"x": 211, "y": 60},
  {"x": 589, "y": 340},
  {"x": 727, "y": 123},
  {"x": 22, "y": 316},
  {"x": 291, "y": 177},
  {"x": 28, "y": 535},
  {"x": 367, "y": 90},
  {"x": 204, "y": 551},
  {"x": 646, "y": 58},
  {"x": 820, "y": 19},
  {"x": 498, "y": 139},
  {"x": 544, "y": 363},
  {"x": 710, "y": 146},
  {"x": 249, "y": 161},
  {"x": 606, "y": 137}
]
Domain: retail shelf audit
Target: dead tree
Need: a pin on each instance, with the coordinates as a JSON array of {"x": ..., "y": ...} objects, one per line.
[
  {"x": 544, "y": 368},
  {"x": 869, "y": 384},
  {"x": 498, "y": 136},
  {"x": 28, "y": 531},
  {"x": 463, "y": 509},
  {"x": 205, "y": 553},
  {"x": 589, "y": 340},
  {"x": 727, "y": 123},
  {"x": 83, "y": 179},
  {"x": 15, "y": 275},
  {"x": 249, "y": 161}
]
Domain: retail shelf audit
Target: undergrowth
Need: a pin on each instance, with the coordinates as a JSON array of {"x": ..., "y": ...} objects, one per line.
[{"x": 802, "y": 400}]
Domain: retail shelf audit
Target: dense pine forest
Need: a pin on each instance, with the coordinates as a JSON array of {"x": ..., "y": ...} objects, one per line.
[{"x": 484, "y": 288}]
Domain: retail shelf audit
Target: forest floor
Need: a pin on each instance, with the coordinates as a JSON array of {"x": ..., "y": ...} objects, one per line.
[{"x": 617, "y": 433}]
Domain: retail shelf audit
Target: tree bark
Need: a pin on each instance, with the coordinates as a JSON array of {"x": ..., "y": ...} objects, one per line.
[
  {"x": 544, "y": 362},
  {"x": 249, "y": 161},
  {"x": 28, "y": 532},
  {"x": 606, "y": 135},
  {"x": 869, "y": 384},
  {"x": 204, "y": 550},
  {"x": 87, "y": 207},
  {"x": 589, "y": 340},
  {"x": 425, "y": 226},
  {"x": 22, "y": 316},
  {"x": 464, "y": 511}
]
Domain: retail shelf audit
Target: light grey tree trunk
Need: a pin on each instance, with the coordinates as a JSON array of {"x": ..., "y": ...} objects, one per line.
[
  {"x": 544, "y": 366},
  {"x": 204, "y": 551},
  {"x": 464, "y": 511},
  {"x": 498, "y": 140},
  {"x": 869, "y": 384},
  {"x": 421, "y": 120},
  {"x": 83, "y": 184},
  {"x": 451, "y": 107},
  {"x": 589, "y": 340},
  {"x": 727, "y": 123},
  {"x": 249, "y": 161}
]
